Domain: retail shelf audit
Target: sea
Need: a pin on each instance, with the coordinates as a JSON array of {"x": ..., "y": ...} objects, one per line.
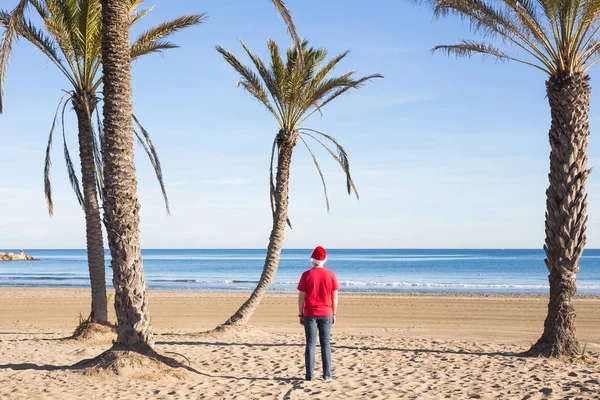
[{"x": 475, "y": 271}]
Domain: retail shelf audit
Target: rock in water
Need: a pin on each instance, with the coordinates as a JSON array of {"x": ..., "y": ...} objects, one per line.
[{"x": 15, "y": 257}]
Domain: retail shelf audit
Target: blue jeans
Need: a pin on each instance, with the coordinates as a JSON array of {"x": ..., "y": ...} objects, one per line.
[{"x": 323, "y": 324}]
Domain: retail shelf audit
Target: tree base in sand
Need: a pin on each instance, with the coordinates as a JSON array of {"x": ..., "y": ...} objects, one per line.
[
  {"x": 141, "y": 362},
  {"x": 93, "y": 332},
  {"x": 556, "y": 349}
]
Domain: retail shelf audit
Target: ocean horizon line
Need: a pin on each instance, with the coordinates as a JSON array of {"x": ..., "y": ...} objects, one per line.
[{"x": 288, "y": 248}]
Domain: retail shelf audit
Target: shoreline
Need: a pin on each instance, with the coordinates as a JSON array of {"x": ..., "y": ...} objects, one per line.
[{"x": 84, "y": 292}]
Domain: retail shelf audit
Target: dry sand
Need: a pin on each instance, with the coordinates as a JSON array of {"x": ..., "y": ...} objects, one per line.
[{"x": 384, "y": 347}]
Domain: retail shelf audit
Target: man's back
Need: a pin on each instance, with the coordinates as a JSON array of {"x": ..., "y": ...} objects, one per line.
[{"x": 319, "y": 285}]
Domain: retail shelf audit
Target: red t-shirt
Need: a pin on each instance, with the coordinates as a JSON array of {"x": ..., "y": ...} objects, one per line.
[{"x": 319, "y": 284}]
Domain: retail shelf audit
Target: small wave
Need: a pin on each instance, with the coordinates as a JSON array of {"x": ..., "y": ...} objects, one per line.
[
  {"x": 400, "y": 255},
  {"x": 443, "y": 285},
  {"x": 188, "y": 280},
  {"x": 201, "y": 258},
  {"x": 41, "y": 278},
  {"x": 49, "y": 257},
  {"x": 374, "y": 260},
  {"x": 213, "y": 281},
  {"x": 457, "y": 285}
]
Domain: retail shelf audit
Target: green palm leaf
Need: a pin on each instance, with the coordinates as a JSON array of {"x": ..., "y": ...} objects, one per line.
[
  {"x": 250, "y": 82},
  {"x": 152, "y": 40}
]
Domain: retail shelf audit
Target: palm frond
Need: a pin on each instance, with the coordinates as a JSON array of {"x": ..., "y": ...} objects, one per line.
[
  {"x": 10, "y": 23},
  {"x": 300, "y": 82},
  {"x": 271, "y": 177},
  {"x": 47, "y": 45},
  {"x": 152, "y": 40},
  {"x": 322, "y": 74},
  {"x": 292, "y": 88},
  {"x": 267, "y": 77},
  {"x": 591, "y": 51},
  {"x": 528, "y": 17},
  {"x": 89, "y": 35},
  {"x": 250, "y": 81},
  {"x": 287, "y": 17},
  {"x": 148, "y": 146},
  {"x": 491, "y": 20},
  {"x": 134, "y": 4},
  {"x": 555, "y": 34},
  {"x": 72, "y": 10},
  {"x": 277, "y": 70},
  {"x": 61, "y": 25},
  {"x": 97, "y": 134},
  {"x": 40, "y": 7},
  {"x": 318, "y": 170},
  {"x": 329, "y": 90},
  {"x": 341, "y": 157},
  {"x": 318, "y": 92},
  {"x": 155, "y": 47},
  {"x": 466, "y": 48},
  {"x": 48, "y": 159},
  {"x": 70, "y": 167},
  {"x": 137, "y": 15}
]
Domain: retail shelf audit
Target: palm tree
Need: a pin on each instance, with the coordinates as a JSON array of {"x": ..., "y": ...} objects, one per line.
[
  {"x": 557, "y": 37},
  {"x": 71, "y": 39},
  {"x": 121, "y": 207},
  {"x": 292, "y": 92}
]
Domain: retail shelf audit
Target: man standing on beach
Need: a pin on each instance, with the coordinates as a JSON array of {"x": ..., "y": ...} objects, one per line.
[{"x": 317, "y": 306}]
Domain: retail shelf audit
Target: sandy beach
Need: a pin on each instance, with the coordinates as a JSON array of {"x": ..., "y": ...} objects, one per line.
[{"x": 384, "y": 347}]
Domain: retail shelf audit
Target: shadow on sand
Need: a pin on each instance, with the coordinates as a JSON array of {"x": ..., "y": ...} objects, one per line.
[
  {"x": 78, "y": 367},
  {"x": 357, "y": 348},
  {"x": 35, "y": 337},
  {"x": 36, "y": 367}
]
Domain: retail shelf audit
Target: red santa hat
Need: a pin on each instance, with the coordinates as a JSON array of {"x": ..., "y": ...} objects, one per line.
[{"x": 318, "y": 256}]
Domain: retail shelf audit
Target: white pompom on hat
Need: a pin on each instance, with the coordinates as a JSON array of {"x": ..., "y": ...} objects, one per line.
[{"x": 318, "y": 256}]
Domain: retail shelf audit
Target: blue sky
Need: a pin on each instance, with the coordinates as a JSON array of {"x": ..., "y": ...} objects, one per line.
[{"x": 445, "y": 153}]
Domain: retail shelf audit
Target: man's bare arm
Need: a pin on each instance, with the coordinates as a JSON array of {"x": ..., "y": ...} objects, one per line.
[
  {"x": 301, "y": 298},
  {"x": 335, "y": 304}
]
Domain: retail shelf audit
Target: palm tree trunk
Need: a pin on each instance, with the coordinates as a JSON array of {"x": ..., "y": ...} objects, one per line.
[
  {"x": 566, "y": 209},
  {"x": 121, "y": 207},
  {"x": 284, "y": 159},
  {"x": 83, "y": 103}
]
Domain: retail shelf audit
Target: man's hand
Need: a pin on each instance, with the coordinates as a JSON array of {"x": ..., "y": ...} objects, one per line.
[
  {"x": 301, "y": 320},
  {"x": 333, "y": 320}
]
